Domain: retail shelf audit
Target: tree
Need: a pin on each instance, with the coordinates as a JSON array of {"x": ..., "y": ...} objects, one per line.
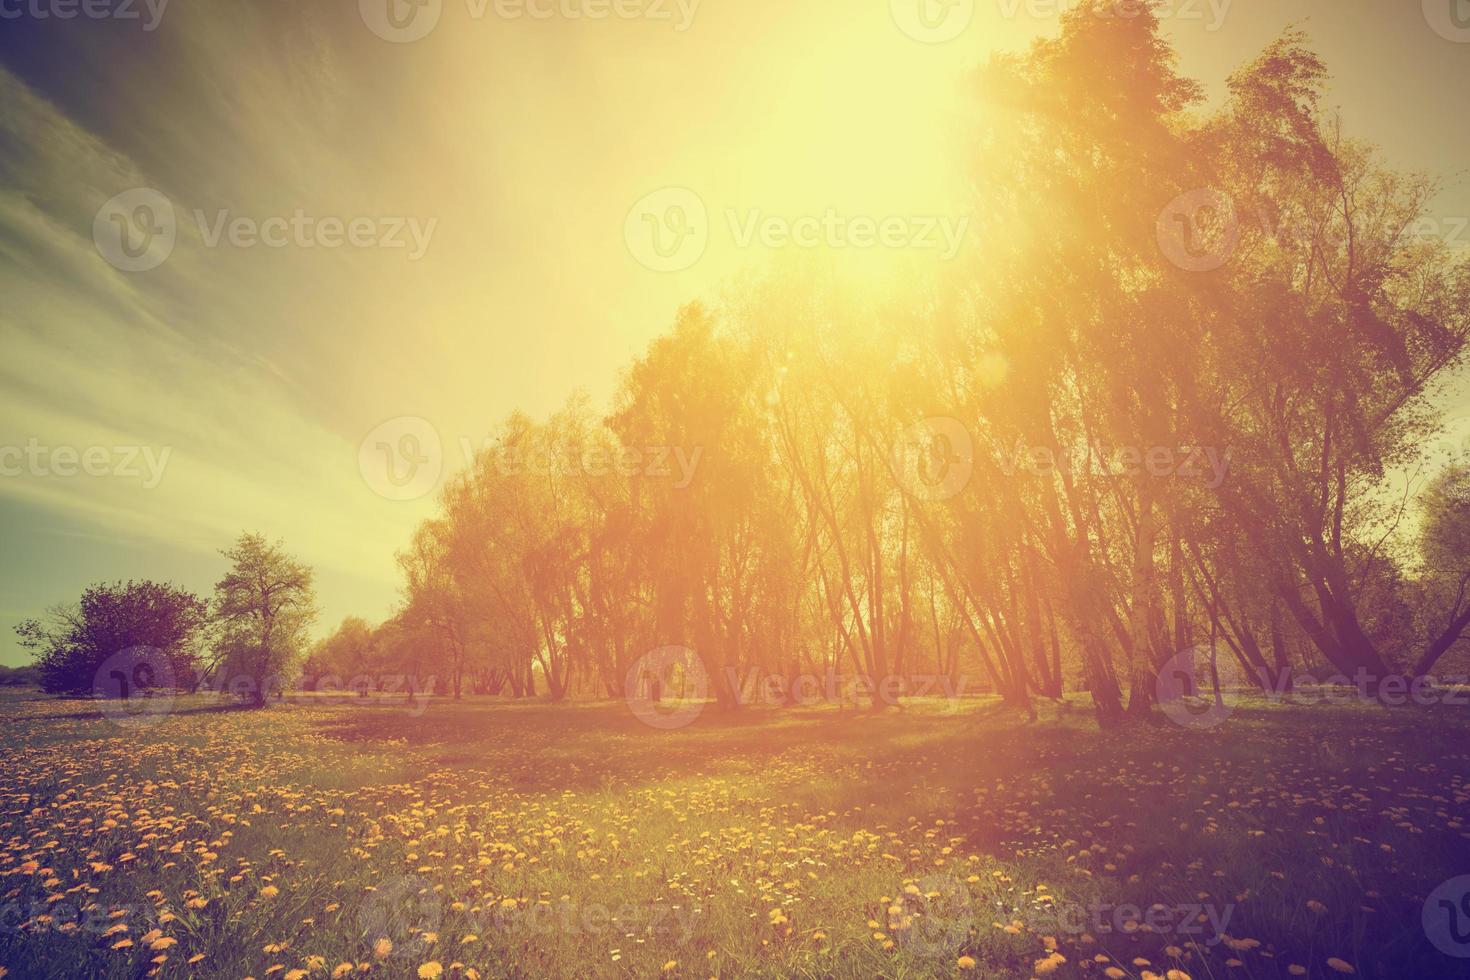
[
  {"x": 1445, "y": 551},
  {"x": 432, "y": 599},
  {"x": 160, "y": 623},
  {"x": 263, "y": 607},
  {"x": 346, "y": 656},
  {"x": 1282, "y": 383}
]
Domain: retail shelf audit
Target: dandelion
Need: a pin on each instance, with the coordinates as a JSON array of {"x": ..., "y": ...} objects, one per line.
[
  {"x": 430, "y": 970},
  {"x": 1049, "y": 964}
]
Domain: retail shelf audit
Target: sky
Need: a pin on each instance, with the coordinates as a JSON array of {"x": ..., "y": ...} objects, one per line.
[{"x": 278, "y": 267}]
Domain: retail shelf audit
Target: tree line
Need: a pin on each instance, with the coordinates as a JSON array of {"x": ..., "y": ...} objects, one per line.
[
  {"x": 1094, "y": 442},
  {"x": 1178, "y": 394},
  {"x": 123, "y": 639}
]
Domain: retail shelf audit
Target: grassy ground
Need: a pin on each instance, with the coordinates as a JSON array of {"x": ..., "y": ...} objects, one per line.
[{"x": 500, "y": 840}]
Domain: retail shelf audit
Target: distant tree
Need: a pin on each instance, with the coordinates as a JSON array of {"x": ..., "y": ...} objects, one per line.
[
  {"x": 263, "y": 607},
  {"x": 1445, "y": 552},
  {"x": 346, "y": 654},
  {"x": 1171, "y": 408},
  {"x": 433, "y": 602},
  {"x": 71, "y": 643},
  {"x": 19, "y": 677}
]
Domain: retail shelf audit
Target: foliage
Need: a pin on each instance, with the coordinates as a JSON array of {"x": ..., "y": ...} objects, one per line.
[
  {"x": 263, "y": 607},
  {"x": 1266, "y": 403},
  {"x": 72, "y": 643}
]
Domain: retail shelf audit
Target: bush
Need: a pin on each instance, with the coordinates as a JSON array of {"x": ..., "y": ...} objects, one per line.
[
  {"x": 19, "y": 676},
  {"x": 117, "y": 639}
]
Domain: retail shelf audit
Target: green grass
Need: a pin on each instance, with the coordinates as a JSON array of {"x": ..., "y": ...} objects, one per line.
[{"x": 575, "y": 841}]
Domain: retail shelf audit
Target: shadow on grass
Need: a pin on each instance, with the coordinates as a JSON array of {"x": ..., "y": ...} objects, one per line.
[{"x": 96, "y": 714}]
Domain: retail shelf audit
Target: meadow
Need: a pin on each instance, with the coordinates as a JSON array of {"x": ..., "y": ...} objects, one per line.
[{"x": 486, "y": 838}]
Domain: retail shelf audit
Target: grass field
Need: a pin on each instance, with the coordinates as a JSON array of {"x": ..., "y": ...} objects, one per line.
[{"x": 493, "y": 839}]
